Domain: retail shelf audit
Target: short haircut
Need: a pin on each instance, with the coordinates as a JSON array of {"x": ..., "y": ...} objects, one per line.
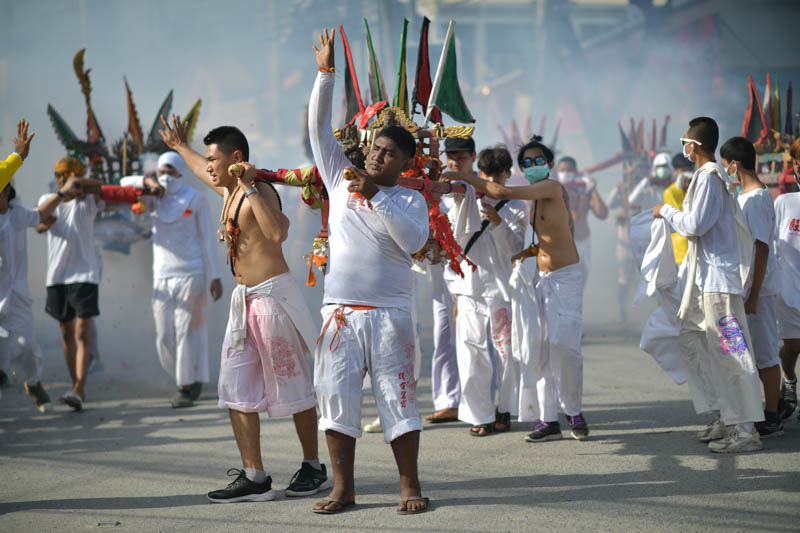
[
  {"x": 569, "y": 160},
  {"x": 535, "y": 142},
  {"x": 228, "y": 139},
  {"x": 401, "y": 137},
  {"x": 739, "y": 149},
  {"x": 681, "y": 163},
  {"x": 12, "y": 192},
  {"x": 705, "y": 131},
  {"x": 495, "y": 161},
  {"x": 794, "y": 151}
]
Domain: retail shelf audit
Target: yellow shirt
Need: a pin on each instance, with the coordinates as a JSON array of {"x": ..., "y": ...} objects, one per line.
[
  {"x": 7, "y": 169},
  {"x": 674, "y": 196}
]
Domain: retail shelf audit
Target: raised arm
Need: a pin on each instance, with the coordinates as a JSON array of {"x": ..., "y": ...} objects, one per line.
[
  {"x": 70, "y": 190},
  {"x": 328, "y": 155},
  {"x": 22, "y": 144},
  {"x": 175, "y": 137},
  {"x": 596, "y": 203}
]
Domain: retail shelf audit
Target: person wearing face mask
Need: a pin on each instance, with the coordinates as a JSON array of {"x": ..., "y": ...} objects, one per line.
[
  {"x": 739, "y": 159},
  {"x": 483, "y": 321},
  {"x": 184, "y": 258},
  {"x": 674, "y": 196},
  {"x": 583, "y": 197},
  {"x": 558, "y": 286},
  {"x": 787, "y": 252},
  {"x": 73, "y": 276},
  {"x": 650, "y": 190},
  {"x": 715, "y": 341}
]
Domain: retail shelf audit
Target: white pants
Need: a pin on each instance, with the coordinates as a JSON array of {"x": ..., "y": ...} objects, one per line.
[
  {"x": 179, "y": 309},
  {"x": 444, "y": 364},
  {"x": 354, "y": 342},
  {"x": 763, "y": 327},
  {"x": 19, "y": 352},
  {"x": 480, "y": 322},
  {"x": 560, "y": 386},
  {"x": 720, "y": 367}
]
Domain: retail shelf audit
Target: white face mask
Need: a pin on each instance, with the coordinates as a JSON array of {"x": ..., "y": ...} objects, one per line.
[
  {"x": 735, "y": 175},
  {"x": 567, "y": 177},
  {"x": 170, "y": 183},
  {"x": 686, "y": 153}
]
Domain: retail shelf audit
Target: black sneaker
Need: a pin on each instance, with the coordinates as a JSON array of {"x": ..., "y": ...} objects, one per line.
[
  {"x": 182, "y": 398},
  {"x": 770, "y": 428},
  {"x": 545, "y": 431},
  {"x": 3, "y": 378},
  {"x": 195, "y": 389},
  {"x": 243, "y": 490},
  {"x": 580, "y": 430},
  {"x": 787, "y": 408},
  {"x": 39, "y": 395},
  {"x": 307, "y": 481}
]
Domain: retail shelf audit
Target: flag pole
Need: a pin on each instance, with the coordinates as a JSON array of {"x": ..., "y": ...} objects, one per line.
[{"x": 439, "y": 71}]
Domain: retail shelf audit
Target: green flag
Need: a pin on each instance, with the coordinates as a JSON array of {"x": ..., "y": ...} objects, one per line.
[
  {"x": 377, "y": 87},
  {"x": 449, "y": 98},
  {"x": 401, "y": 90}
]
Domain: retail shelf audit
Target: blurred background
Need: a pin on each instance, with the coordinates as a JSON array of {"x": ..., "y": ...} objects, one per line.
[{"x": 588, "y": 64}]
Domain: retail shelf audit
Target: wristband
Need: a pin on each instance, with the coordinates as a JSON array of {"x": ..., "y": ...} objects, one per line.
[
  {"x": 251, "y": 190},
  {"x": 60, "y": 194},
  {"x": 327, "y": 69}
]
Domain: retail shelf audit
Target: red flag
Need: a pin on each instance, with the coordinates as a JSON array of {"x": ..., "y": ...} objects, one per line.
[
  {"x": 134, "y": 127},
  {"x": 352, "y": 92},
  {"x": 422, "y": 80},
  {"x": 754, "y": 127}
]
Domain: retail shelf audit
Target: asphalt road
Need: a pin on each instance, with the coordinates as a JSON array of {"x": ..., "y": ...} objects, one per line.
[{"x": 130, "y": 462}]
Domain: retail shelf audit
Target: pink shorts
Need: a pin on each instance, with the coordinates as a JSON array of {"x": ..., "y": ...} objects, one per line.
[{"x": 270, "y": 373}]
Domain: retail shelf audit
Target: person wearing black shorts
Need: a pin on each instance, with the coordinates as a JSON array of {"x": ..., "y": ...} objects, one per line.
[{"x": 73, "y": 276}]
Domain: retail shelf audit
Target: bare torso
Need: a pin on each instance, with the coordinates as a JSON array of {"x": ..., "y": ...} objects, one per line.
[
  {"x": 554, "y": 227},
  {"x": 257, "y": 258}
]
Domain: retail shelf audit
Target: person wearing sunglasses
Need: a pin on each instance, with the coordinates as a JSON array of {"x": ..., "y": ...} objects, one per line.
[
  {"x": 559, "y": 285},
  {"x": 73, "y": 276},
  {"x": 715, "y": 341}
]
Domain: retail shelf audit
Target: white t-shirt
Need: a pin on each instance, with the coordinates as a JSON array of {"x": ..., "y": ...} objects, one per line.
[
  {"x": 787, "y": 247},
  {"x": 14, "y": 290},
  {"x": 370, "y": 247},
  {"x": 183, "y": 236},
  {"x": 710, "y": 218},
  {"x": 71, "y": 252},
  {"x": 759, "y": 212}
]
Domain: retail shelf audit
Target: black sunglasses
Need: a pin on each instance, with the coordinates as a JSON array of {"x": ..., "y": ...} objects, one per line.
[{"x": 538, "y": 161}]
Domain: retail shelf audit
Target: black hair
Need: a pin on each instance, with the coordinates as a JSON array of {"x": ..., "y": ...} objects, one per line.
[
  {"x": 495, "y": 161},
  {"x": 681, "y": 163},
  {"x": 570, "y": 160},
  {"x": 401, "y": 137},
  {"x": 741, "y": 150},
  {"x": 535, "y": 142},
  {"x": 12, "y": 192},
  {"x": 705, "y": 131},
  {"x": 229, "y": 139}
]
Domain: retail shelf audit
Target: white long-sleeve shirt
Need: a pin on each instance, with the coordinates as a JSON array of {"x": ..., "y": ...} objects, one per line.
[
  {"x": 491, "y": 253},
  {"x": 369, "y": 261},
  {"x": 14, "y": 289},
  {"x": 183, "y": 236},
  {"x": 72, "y": 255},
  {"x": 787, "y": 247},
  {"x": 710, "y": 218}
]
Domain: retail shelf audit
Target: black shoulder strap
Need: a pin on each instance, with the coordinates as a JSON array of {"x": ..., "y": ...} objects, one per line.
[
  {"x": 533, "y": 223},
  {"x": 484, "y": 225}
]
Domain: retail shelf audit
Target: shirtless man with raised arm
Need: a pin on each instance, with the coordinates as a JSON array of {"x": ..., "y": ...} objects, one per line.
[
  {"x": 559, "y": 285},
  {"x": 263, "y": 366}
]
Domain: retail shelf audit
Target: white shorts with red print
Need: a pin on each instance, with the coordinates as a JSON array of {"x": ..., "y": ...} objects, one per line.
[
  {"x": 271, "y": 372},
  {"x": 353, "y": 342}
]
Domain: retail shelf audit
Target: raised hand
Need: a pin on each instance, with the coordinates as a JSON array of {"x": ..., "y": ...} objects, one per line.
[
  {"x": 176, "y": 136},
  {"x": 72, "y": 189},
  {"x": 22, "y": 142},
  {"x": 325, "y": 52},
  {"x": 360, "y": 182}
]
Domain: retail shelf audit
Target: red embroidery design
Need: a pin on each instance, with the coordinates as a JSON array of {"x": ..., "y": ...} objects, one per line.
[
  {"x": 284, "y": 363},
  {"x": 794, "y": 224},
  {"x": 408, "y": 387}
]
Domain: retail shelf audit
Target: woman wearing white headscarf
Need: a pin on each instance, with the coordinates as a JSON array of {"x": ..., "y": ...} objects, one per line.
[{"x": 184, "y": 257}]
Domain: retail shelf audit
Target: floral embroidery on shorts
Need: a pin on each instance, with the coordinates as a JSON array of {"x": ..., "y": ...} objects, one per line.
[
  {"x": 408, "y": 386},
  {"x": 284, "y": 363},
  {"x": 732, "y": 340}
]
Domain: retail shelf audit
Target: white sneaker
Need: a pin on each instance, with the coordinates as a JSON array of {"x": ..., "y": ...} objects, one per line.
[
  {"x": 713, "y": 431},
  {"x": 736, "y": 440},
  {"x": 374, "y": 426}
]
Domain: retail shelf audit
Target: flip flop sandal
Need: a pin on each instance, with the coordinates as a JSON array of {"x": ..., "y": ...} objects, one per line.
[
  {"x": 405, "y": 501},
  {"x": 342, "y": 506},
  {"x": 503, "y": 419},
  {"x": 488, "y": 429},
  {"x": 434, "y": 419}
]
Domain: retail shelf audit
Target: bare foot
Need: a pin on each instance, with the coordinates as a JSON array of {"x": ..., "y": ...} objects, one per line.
[
  {"x": 444, "y": 415},
  {"x": 413, "y": 505}
]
